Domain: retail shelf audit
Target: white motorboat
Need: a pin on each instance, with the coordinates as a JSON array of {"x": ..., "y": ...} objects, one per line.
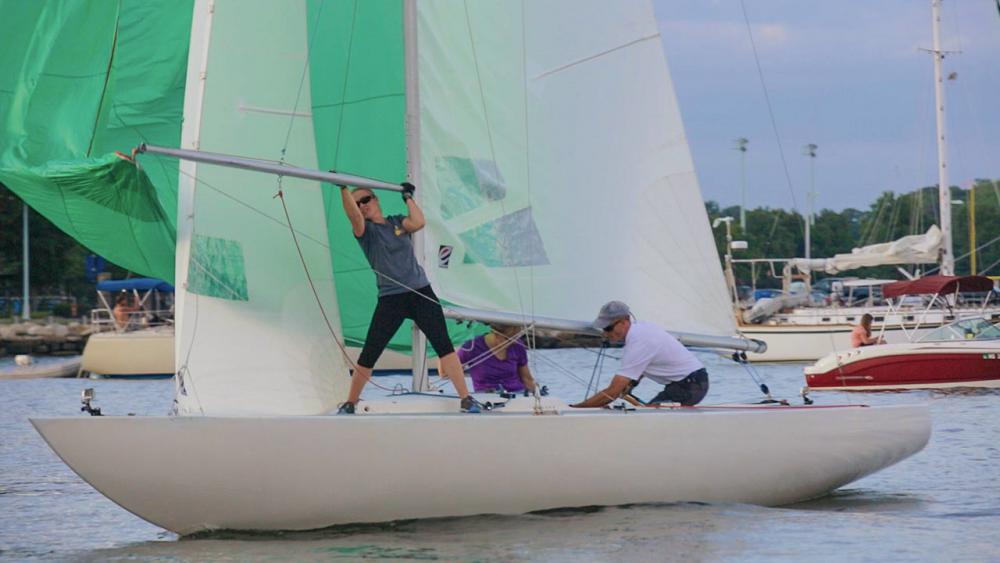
[
  {"x": 965, "y": 353},
  {"x": 139, "y": 344},
  {"x": 513, "y": 143}
]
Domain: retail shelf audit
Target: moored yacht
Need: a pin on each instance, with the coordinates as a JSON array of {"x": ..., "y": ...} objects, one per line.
[{"x": 137, "y": 343}]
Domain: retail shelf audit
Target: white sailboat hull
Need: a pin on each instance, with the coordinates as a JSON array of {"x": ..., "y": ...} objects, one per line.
[
  {"x": 791, "y": 343},
  {"x": 808, "y": 334},
  {"x": 189, "y": 474}
]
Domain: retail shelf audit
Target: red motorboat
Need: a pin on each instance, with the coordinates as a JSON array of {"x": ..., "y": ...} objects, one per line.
[{"x": 965, "y": 353}]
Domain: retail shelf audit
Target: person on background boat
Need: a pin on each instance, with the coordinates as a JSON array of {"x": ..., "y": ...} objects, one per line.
[
  {"x": 861, "y": 335},
  {"x": 650, "y": 351},
  {"x": 497, "y": 360},
  {"x": 123, "y": 311},
  {"x": 403, "y": 289}
]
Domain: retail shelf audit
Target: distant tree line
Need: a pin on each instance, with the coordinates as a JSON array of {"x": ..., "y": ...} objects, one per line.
[
  {"x": 777, "y": 233},
  {"x": 58, "y": 261}
]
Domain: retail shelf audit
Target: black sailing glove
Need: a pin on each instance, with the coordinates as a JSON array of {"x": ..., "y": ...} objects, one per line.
[{"x": 408, "y": 190}]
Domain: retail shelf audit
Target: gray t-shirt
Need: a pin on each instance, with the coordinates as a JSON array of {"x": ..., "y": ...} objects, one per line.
[{"x": 389, "y": 250}]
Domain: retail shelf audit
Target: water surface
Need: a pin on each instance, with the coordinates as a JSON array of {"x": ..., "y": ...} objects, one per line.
[{"x": 942, "y": 504}]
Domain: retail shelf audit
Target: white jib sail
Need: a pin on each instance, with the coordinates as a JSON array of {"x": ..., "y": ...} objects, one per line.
[
  {"x": 250, "y": 337},
  {"x": 556, "y": 174}
]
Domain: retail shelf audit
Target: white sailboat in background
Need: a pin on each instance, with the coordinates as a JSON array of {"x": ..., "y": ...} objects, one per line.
[{"x": 555, "y": 174}]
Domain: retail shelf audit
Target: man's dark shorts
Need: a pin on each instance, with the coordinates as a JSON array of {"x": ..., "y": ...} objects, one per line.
[{"x": 688, "y": 391}]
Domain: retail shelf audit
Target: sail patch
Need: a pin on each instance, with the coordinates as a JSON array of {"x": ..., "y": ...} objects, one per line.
[
  {"x": 466, "y": 184},
  {"x": 216, "y": 269},
  {"x": 509, "y": 241}
]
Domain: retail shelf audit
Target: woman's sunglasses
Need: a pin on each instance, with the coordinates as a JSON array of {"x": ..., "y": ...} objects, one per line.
[{"x": 365, "y": 199}]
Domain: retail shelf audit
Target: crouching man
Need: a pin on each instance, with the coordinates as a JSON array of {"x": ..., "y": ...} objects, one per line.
[{"x": 650, "y": 351}]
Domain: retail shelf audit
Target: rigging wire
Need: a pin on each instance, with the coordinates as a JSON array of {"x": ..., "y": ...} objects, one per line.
[
  {"x": 967, "y": 254},
  {"x": 343, "y": 92},
  {"x": 490, "y": 137},
  {"x": 280, "y": 191},
  {"x": 770, "y": 111}
]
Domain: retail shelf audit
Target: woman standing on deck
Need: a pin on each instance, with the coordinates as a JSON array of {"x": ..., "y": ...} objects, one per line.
[{"x": 403, "y": 289}]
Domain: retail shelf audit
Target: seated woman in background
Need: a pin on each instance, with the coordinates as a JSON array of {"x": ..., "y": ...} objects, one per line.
[
  {"x": 497, "y": 359},
  {"x": 123, "y": 311},
  {"x": 861, "y": 335}
]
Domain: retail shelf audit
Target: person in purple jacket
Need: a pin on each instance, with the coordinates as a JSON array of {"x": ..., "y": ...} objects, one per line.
[{"x": 497, "y": 359}]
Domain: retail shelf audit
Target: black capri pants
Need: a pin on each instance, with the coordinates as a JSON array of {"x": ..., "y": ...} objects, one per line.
[{"x": 421, "y": 306}]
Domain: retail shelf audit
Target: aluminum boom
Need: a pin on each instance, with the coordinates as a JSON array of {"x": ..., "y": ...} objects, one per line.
[
  {"x": 582, "y": 327},
  {"x": 269, "y": 167}
]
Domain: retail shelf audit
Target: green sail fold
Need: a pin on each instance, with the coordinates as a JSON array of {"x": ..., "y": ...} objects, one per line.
[
  {"x": 80, "y": 80},
  {"x": 358, "y": 92}
]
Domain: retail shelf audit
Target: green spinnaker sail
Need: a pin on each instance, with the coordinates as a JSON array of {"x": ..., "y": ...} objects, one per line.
[{"x": 79, "y": 80}]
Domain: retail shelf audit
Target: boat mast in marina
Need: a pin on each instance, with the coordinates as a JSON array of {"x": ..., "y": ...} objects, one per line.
[{"x": 944, "y": 191}]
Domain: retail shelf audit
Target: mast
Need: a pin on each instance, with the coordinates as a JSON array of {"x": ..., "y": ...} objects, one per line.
[
  {"x": 810, "y": 151},
  {"x": 972, "y": 229},
  {"x": 741, "y": 145},
  {"x": 944, "y": 192},
  {"x": 410, "y": 61}
]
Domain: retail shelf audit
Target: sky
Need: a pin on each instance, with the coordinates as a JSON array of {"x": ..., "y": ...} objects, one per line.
[{"x": 848, "y": 76}]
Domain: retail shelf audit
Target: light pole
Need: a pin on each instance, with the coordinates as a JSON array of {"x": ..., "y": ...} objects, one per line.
[
  {"x": 741, "y": 145},
  {"x": 26, "y": 301},
  {"x": 810, "y": 151}
]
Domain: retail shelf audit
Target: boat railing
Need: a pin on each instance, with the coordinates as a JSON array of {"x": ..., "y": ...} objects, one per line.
[{"x": 103, "y": 320}]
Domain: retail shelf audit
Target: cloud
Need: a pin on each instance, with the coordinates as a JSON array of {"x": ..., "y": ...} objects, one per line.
[
  {"x": 774, "y": 34},
  {"x": 857, "y": 86}
]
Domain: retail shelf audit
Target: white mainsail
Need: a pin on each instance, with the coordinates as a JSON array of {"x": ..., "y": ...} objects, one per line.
[
  {"x": 555, "y": 169},
  {"x": 251, "y": 336}
]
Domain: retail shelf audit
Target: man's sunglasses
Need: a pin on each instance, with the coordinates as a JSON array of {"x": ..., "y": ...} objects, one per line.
[
  {"x": 610, "y": 327},
  {"x": 365, "y": 199}
]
